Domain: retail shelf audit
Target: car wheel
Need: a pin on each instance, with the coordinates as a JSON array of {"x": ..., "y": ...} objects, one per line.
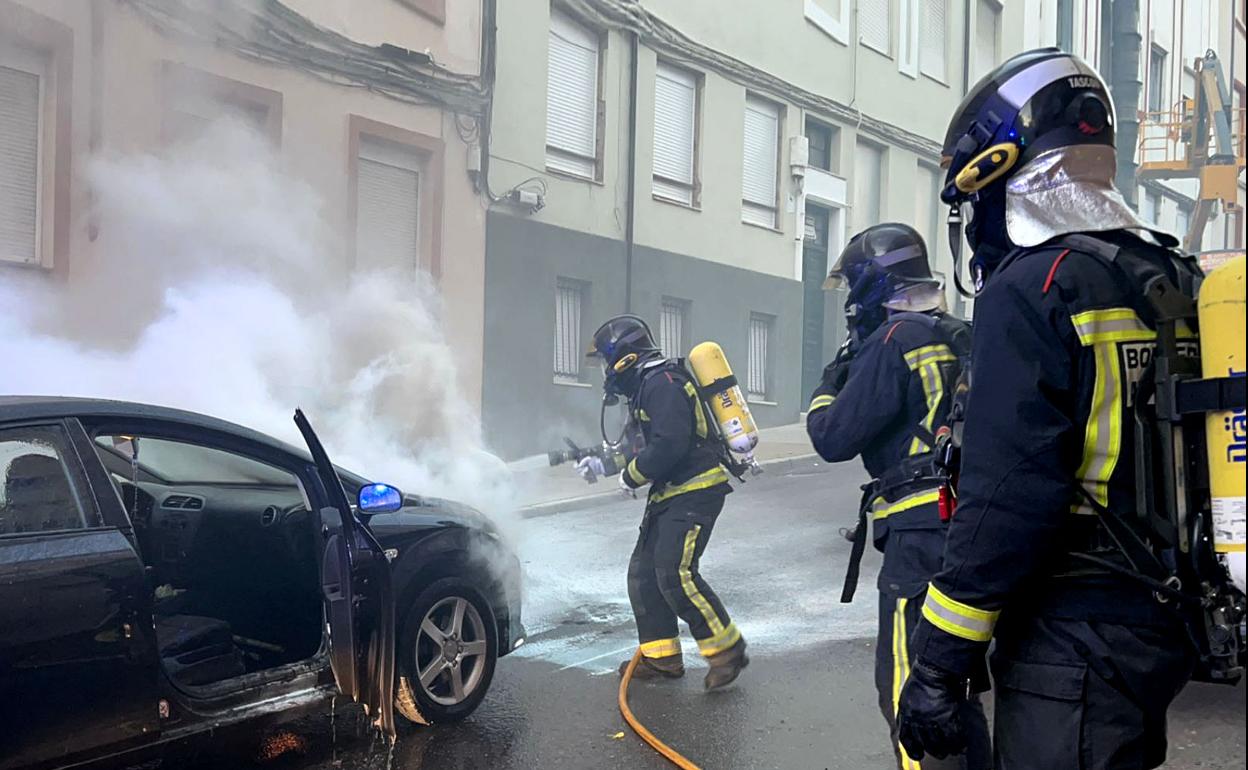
[{"x": 447, "y": 650}]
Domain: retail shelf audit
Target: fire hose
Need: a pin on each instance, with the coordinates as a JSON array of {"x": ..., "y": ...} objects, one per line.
[{"x": 675, "y": 757}]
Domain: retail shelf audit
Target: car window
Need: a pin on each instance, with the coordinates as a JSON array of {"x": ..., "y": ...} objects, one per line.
[
  {"x": 179, "y": 463},
  {"x": 39, "y": 490}
]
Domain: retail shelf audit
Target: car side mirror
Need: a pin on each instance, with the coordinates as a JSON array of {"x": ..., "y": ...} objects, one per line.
[{"x": 379, "y": 498}]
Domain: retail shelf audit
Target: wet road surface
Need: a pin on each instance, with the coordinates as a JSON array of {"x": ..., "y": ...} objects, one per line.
[{"x": 806, "y": 701}]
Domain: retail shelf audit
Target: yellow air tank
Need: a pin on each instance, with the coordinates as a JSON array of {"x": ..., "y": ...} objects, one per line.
[
  {"x": 1221, "y": 306},
  {"x": 723, "y": 394}
]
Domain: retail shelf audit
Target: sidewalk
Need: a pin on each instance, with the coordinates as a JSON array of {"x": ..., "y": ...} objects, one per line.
[{"x": 544, "y": 490}]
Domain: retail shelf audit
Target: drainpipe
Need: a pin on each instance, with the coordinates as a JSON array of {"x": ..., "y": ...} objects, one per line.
[
  {"x": 1125, "y": 83},
  {"x": 966, "y": 49},
  {"x": 631, "y": 214}
]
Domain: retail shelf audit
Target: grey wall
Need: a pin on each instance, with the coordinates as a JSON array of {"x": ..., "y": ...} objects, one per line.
[{"x": 524, "y": 411}]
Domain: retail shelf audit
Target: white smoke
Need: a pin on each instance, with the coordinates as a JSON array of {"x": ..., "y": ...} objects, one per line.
[{"x": 215, "y": 286}]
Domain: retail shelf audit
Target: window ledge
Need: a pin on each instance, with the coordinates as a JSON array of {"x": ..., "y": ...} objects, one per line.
[
  {"x": 573, "y": 177},
  {"x": 676, "y": 203},
  {"x": 34, "y": 264},
  {"x": 760, "y": 402},
  {"x": 871, "y": 47},
  {"x": 768, "y": 228},
  {"x": 570, "y": 384},
  {"x": 936, "y": 79}
]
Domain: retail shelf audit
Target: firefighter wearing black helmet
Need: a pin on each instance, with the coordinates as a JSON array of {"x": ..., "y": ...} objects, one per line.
[
  {"x": 1087, "y": 658},
  {"x": 687, "y": 486},
  {"x": 886, "y": 397}
]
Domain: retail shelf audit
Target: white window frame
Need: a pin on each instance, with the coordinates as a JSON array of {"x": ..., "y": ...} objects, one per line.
[
  {"x": 569, "y": 368},
  {"x": 826, "y": 22},
  {"x": 856, "y": 205},
  {"x": 913, "y": 58},
  {"x": 668, "y": 187},
  {"x": 564, "y": 160},
  {"x": 1161, "y": 84},
  {"x": 756, "y": 211},
  {"x": 31, "y": 63},
  {"x": 932, "y": 64},
  {"x": 886, "y": 7},
  {"x": 758, "y": 378},
  {"x": 995, "y": 9}
]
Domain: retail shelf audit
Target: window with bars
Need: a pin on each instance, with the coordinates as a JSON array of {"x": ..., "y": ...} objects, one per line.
[
  {"x": 758, "y": 372},
  {"x": 569, "y": 314},
  {"x": 759, "y": 183},
  {"x": 387, "y": 223},
  {"x": 673, "y": 324},
  {"x": 22, "y": 83},
  {"x": 875, "y": 24},
  {"x": 572, "y": 98},
  {"x": 675, "y": 133}
]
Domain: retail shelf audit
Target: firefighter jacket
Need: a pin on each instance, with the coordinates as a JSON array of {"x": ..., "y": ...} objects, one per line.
[
  {"x": 678, "y": 454},
  {"x": 1060, "y": 339},
  {"x": 897, "y": 394}
]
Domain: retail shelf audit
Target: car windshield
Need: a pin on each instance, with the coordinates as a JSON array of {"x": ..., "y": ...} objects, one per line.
[{"x": 174, "y": 462}]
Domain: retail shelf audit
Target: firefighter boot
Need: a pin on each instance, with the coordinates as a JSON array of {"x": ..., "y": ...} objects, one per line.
[
  {"x": 726, "y": 666},
  {"x": 666, "y": 667}
]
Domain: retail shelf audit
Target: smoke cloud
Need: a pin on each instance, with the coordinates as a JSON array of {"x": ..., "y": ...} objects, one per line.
[{"x": 215, "y": 286}]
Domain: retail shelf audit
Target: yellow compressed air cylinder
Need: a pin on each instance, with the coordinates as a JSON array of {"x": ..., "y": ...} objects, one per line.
[
  {"x": 1222, "y": 337},
  {"x": 711, "y": 369}
]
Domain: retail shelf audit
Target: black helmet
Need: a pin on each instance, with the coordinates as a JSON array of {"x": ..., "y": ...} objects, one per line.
[
  {"x": 1036, "y": 101},
  {"x": 875, "y": 266},
  {"x": 623, "y": 343}
]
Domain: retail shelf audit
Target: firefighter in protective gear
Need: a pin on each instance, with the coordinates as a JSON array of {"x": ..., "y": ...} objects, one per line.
[
  {"x": 1087, "y": 659},
  {"x": 687, "y": 486},
  {"x": 885, "y": 398}
]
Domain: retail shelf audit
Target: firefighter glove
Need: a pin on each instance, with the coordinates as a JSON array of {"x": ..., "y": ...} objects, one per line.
[
  {"x": 929, "y": 713},
  {"x": 627, "y": 489},
  {"x": 591, "y": 468}
]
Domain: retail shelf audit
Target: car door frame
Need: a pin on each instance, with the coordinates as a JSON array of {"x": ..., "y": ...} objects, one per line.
[{"x": 133, "y": 619}]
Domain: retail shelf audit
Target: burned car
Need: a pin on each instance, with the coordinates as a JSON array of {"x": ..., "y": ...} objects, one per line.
[{"x": 164, "y": 573}]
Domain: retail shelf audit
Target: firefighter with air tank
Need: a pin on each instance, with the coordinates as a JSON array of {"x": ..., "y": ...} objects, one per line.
[
  {"x": 680, "y": 450},
  {"x": 887, "y": 397},
  {"x": 1102, "y": 587}
]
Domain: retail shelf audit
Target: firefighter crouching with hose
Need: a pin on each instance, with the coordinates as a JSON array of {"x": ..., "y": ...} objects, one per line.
[
  {"x": 888, "y": 397},
  {"x": 1083, "y": 543},
  {"x": 680, "y": 458}
]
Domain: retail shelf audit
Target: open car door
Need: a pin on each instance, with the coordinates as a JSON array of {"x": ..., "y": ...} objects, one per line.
[{"x": 359, "y": 599}]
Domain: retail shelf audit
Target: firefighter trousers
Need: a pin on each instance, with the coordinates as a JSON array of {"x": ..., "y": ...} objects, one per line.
[
  {"x": 899, "y": 615},
  {"x": 664, "y": 582},
  {"x": 1088, "y": 695}
]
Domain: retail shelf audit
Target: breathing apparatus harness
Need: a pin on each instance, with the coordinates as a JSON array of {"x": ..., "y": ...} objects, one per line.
[{"x": 938, "y": 465}]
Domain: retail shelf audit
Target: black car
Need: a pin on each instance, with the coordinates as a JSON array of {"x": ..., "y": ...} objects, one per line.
[{"x": 164, "y": 573}]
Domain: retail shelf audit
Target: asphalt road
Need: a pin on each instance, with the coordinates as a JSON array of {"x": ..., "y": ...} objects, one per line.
[{"x": 806, "y": 701}]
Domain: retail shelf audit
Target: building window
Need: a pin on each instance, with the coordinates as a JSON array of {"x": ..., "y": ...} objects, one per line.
[
  {"x": 831, "y": 16},
  {"x": 1183, "y": 223},
  {"x": 824, "y": 144},
  {"x": 569, "y": 323},
  {"x": 868, "y": 176},
  {"x": 572, "y": 98},
  {"x": 22, "y": 83},
  {"x": 1152, "y": 208},
  {"x": 1066, "y": 25},
  {"x": 194, "y": 100},
  {"x": 1157, "y": 79},
  {"x": 757, "y": 381},
  {"x": 987, "y": 51},
  {"x": 932, "y": 38},
  {"x": 927, "y": 212},
  {"x": 760, "y": 162},
  {"x": 388, "y": 191},
  {"x": 673, "y": 326},
  {"x": 675, "y": 134},
  {"x": 875, "y": 24}
]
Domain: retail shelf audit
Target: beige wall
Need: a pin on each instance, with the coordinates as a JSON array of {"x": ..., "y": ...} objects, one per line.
[{"x": 115, "y": 94}]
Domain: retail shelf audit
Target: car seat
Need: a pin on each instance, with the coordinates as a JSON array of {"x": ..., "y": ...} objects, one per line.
[
  {"x": 196, "y": 650},
  {"x": 38, "y": 497}
]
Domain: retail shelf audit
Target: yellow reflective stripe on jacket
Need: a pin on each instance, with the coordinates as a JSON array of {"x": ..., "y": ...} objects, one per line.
[
  {"x": 960, "y": 620},
  {"x": 706, "y": 480},
  {"x": 1117, "y": 324},
  {"x": 879, "y": 511},
  {"x": 661, "y": 648},
  {"x": 1102, "y": 437},
  {"x": 901, "y": 671},
  {"x": 819, "y": 402},
  {"x": 926, "y": 361},
  {"x": 636, "y": 475},
  {"x": 929, "y": 354},
  {"x": 699, "y": 414}
]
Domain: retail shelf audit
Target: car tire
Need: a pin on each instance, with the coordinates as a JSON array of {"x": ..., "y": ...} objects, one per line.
[{"x": 458, "y": 665}]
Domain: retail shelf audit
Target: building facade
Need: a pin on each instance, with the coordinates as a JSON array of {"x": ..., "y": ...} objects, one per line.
[{"x": 374, "y": 109}]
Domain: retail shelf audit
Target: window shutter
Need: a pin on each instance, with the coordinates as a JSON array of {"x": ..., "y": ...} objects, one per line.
[
  {"x": 874, "y": 23},
  {"x": 759, "y": 185},
  {"x": 932, "y": 38},
  {"x": 675, "y": 104},
  {"x": 987, "y": 21},
  {"x": 387, "y": 207},
  {"x": 572, "y": 98},
  {"x": 19, "y": 165}
]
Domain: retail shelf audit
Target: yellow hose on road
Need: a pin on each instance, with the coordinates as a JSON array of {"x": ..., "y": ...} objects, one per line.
[{"x": 667, "y": 751}]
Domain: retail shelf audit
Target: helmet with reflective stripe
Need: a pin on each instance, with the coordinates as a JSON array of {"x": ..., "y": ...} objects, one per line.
[
  {"x": 1036, "y": 101},
  {"x": 876, "y": 265},
  {"x": 623, "y": 343}
]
